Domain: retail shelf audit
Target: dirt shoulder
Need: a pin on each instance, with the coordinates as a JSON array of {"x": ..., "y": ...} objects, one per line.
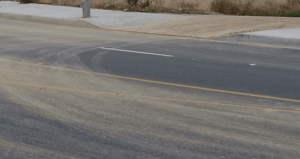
[{"x": 213, "y": 26}]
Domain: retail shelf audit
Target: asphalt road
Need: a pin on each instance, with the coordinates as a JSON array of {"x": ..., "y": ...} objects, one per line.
[
  {"x": 83, "y": 93},
  {"x": 206, "y": 64}
]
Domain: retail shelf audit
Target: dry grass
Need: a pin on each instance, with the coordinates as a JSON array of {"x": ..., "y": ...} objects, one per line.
[
  {"x": 251, "y": 7},
  {"x": 233, "y": 7}
]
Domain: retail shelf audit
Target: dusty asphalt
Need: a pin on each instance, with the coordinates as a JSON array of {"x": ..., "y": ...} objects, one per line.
[{"x": 63, "y": 97}]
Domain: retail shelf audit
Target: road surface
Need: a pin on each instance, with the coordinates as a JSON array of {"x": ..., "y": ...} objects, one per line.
[{"x": 82, "y": 93}]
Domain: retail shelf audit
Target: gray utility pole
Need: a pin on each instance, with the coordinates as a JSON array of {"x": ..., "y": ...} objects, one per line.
[{"x": 86, "y": 7}]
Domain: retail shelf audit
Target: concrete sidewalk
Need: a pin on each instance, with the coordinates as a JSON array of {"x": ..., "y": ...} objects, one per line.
[
  {"x": 100, "y": 18},
  {"x": 284, "y": 37},
  {"x": 282, "y": 30}
]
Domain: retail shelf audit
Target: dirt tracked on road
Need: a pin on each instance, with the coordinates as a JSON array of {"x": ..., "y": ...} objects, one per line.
[
  {"x": 32, "y": 85},
  {"x": 53, "y": 105}
]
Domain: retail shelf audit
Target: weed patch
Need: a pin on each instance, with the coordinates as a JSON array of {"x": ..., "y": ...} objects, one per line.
[
  {"x": 279, "y": 15},
  {"x": 249, "y": 7},
  {"x": 26, "y": 1}
]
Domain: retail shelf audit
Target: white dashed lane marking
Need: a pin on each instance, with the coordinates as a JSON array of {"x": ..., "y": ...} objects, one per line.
[{"x": 137, "y": 52}]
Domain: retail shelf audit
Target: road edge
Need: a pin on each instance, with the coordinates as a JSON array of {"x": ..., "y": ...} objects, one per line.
[
  {"x": 47, "y": 20},
  {"x": 246, "y": 38}
]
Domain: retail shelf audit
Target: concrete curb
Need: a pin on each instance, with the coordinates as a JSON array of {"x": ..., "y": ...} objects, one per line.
[
  {"x": 46, "y": 20},
  {"x": 261, "y": 39}
]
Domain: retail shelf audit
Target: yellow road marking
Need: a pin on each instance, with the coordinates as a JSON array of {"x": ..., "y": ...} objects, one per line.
[
  {"x": 41, "y": 87},
  {"x": 270, "y": 110},
  {"x": 40, "y": 63},
  {"x": 163, "y": 83}
]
